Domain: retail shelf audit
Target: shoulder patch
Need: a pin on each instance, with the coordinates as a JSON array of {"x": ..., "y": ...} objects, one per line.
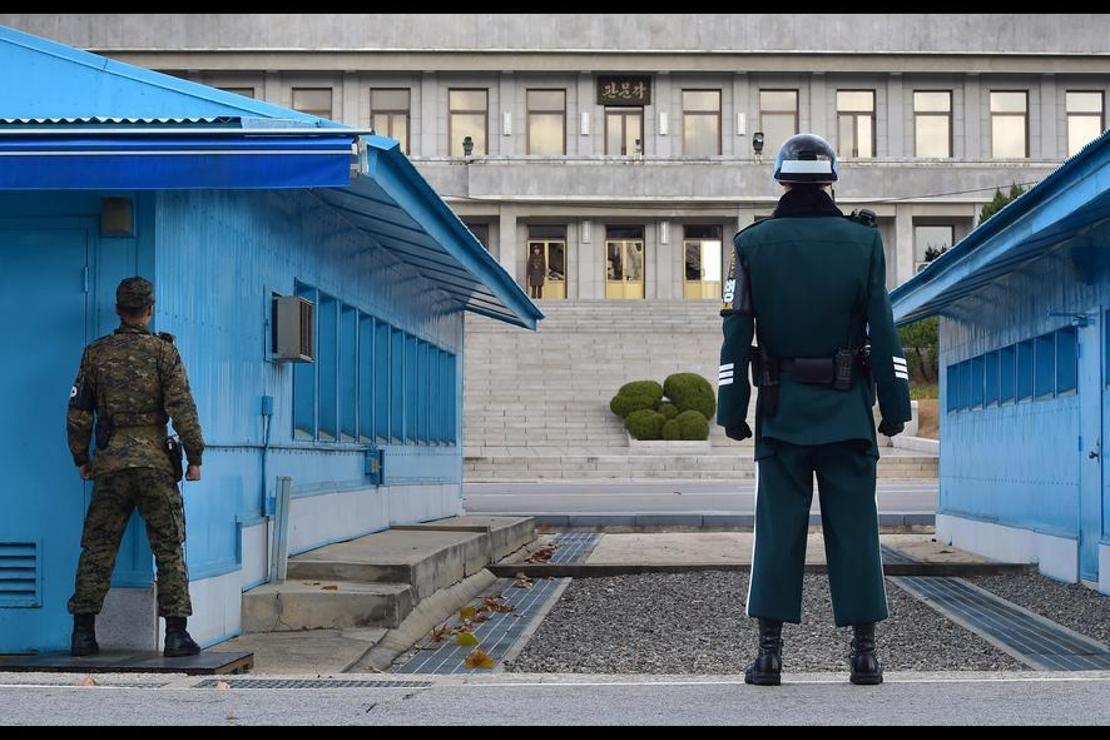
[{"x": 166, "y": 336}]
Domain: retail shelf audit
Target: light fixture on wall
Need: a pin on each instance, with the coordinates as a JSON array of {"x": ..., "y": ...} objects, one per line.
[
  {"x": 584, "y": 231},
  {"x": 468, "y": 146},
  {"x": 506, "y": 123},
  {"x": 585, "y": 126},
  {"x": 664, "y": 232},
  {"x": 663, "y": 123},
  {"x": 741, "y": 124},
  {"x": 757, "y": 143}
]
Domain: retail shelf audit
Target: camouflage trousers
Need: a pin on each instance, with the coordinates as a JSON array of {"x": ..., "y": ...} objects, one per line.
[{"x": 162, "y": 508}]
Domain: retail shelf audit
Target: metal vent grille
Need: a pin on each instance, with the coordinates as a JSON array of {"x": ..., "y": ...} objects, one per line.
[
  {"x": 308, "y": 683},
  {"x": 19, "y": 574}
]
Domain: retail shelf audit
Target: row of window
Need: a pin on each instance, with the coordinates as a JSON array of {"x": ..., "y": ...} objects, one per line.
[
  {"x": 546, "y": 130},
  {"x": 371, "y": 382},
  {"x": 1043, "y": 367}
]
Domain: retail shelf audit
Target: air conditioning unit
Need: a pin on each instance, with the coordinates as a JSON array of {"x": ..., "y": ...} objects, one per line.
[{"x": 293, "y": 336}]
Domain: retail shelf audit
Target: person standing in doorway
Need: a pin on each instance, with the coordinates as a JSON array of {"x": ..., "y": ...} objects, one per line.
[{"x": 537, "y": 271}]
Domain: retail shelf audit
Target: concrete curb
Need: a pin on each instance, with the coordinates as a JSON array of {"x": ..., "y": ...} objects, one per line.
[
  {"x": 602, "y": 570},
  {"x": 707, "y": 521}
]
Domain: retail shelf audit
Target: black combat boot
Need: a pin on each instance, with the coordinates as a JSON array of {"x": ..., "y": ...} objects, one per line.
[
  {"x": 766, "y": 670},
  {"x": 865, "y": 664},
  {"x": 83, "y": 641},
  {"x": 178, "y": 642}
]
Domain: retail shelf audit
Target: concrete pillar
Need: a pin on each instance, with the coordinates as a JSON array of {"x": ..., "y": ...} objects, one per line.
[
  {"x": 903, "y": 249},
  {"x": 507, "y": 240},
  {"x": 741, "y": 144},
  {"x": 1046, "y": 124},
  {"x": 272, "y": 91},
  {"x": 818, "y": 115},
  {"x": 588, "y": 143},
  {"x": 973, "y": 144},
  {"x": 510, "y": 141},
  {"x": 896, "y": 101},
  {"x": 430, "y": 116},
  {"x": 573, "y": 258},
  {"x": 669, "y": 101},
  {"x": 591, "y": 261},
  {"x": 349, "y": 108}
]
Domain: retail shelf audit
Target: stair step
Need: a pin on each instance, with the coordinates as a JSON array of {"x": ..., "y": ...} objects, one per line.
[{"x": 308, "y": 604}]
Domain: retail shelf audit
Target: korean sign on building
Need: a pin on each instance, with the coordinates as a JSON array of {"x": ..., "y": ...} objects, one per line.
[{"x": 620, "y": 90}]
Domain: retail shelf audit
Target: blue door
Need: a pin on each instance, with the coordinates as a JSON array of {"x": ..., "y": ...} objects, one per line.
[
  {"x": 1090, "y": 442},
  {"x": 45, "y": 325}
]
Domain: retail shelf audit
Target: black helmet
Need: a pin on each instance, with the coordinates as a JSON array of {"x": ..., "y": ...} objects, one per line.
[{"x": 806, "y": 158}]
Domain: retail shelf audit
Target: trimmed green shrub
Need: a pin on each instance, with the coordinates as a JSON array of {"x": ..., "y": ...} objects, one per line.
[
  {"x": 645, "y": 424},
  {"x": 689, "y": 425},
  {"x": 642, "y": 388},
  {"x": 690, "y": 392},
  {"x": 624, "y": 404},
  {"x": 667, "y": 409}
]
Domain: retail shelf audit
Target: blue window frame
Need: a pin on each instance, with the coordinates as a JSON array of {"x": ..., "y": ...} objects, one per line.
[
  {"x": 304, "y": 382},
  {"x": 1065, "y": 360},
  {"x": 382, "y": 388},
  {"x": 1044, "y": 363},
  {"x": 452, "y": 398},
  {"x": 425, "y": 395},
  {"x": 990, "y": 379},
  {"x": 951, "y": 392},
  {"x": 1024, "y": 381},
  {"x": 367, "y": 375},
  {"x": 397, "y": 387},
  {"x": 348, "y": 373},
  {"x": 327, "y": 362},
  {"x": 975, "y": 383},
  {"x": 434, "y": 424},
  {"x": 1006, "y": 370}
]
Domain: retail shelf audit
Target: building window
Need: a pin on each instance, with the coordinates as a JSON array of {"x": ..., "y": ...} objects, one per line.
[
  {"x": 383, "y": 391},
  {"x": 368, "y": 374},
  {"x": 1009, "y": 125},
  {"x": 315, "y": 101},
  {"x": 348, "y": 374},
  {"x": 1044, "y": 360},
  {"x": 1025, "y": 370},
  {"x": 701, "y": 122},
  {"x": 328, "y": 362},
  {"x": 975, "y": 388},
  {"x": 701, "y": 248},
  {"x": 990, "y": 380},
  {"x": 1006, "y": 365},
  {"x": 1065, "y": 360},
  {"x": 855, "y": 119},
  {"x": 547, "y": 122},
  {"x": 468, "y": 115},
  {"x": 304, "y": 381},
  {"x": 624, "y": 131},
  {"x": 397, "y": 386},
  {"x": 778, "y": 117},
  {"x": 624, "y": 262},
  {"x": 546, "y": 268},
  {"x": 246, "y": 92},
  {"x": 389, "y": 114},
  {"x": 928, "y": 240},
  {"x": 481, "y": 231},
  {"x": 951, "y": 392},
  {"x": 932, "y": 123},
  {"x": 1085, "y": 118}
]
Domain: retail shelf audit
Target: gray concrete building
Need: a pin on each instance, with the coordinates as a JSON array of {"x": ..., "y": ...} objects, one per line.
[{"x": 612, "y": 157}]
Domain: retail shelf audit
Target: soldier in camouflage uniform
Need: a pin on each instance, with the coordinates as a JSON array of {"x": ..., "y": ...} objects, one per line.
[{"x": 134, "y": 382}]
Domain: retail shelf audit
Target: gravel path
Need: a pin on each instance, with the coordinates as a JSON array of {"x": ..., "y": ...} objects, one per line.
[
  {"x": 1071, "y": 604},
  {"x": 694, "y": 623}
]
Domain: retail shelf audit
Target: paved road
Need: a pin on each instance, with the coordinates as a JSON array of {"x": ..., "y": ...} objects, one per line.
[
  {"x": 906, "y": 699},
  {"x": 707, "y": 497}
]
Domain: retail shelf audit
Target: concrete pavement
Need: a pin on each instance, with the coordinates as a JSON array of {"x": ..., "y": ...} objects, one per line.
[{"x": 512, "y": 699}]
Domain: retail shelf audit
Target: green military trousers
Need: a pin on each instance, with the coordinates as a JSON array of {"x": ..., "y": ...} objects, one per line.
[
  {"x": 849, "y": 522},
  {"x": 160, "y": 504}
]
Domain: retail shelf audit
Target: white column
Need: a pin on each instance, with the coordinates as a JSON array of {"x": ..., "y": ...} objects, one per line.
[
  {"x": 507, "y": 240},
  {"x": 431, "y": 143},
  {"x": 903, "y": 245},
  {"x": 1049, "y": 148}
]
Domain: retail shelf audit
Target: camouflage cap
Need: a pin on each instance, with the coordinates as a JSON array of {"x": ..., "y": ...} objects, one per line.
[{"x": 134, "y": 292}]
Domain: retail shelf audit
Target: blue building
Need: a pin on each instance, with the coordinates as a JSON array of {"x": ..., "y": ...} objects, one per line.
[
  {"x": 225, "y": 203},
  {"x": 1024, "y": 302}
]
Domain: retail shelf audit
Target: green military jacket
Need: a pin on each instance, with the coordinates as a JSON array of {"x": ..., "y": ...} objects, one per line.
[
  {"x": 132, "y": 381},
  {"x": 807, "y": 282}
]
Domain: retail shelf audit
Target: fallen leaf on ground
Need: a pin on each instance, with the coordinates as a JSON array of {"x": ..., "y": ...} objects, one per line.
[
  {"x": 223, "y": 685},
  {"x": 467, "y": 612},
  {"x": 440, "y": 632},
  {"x": 481, "y": 617},
  {"x": 332, "y": 587},
  {"x": 542, "y": 555},
  {"x": 479, "y": 659},
  {"x": 522, "y": 581},
  {"x": 466, "y": 638},
  {"x": 87, "y": 681}
]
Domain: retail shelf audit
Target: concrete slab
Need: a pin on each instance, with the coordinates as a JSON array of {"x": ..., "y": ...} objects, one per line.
[
  {"x": 427, "y": 560},
  {"x": 925, "y": 548},
  {"x": 312, "y": 652},
  {"x": 507, "y": 534},
  {"x": 310, "y": 605}
]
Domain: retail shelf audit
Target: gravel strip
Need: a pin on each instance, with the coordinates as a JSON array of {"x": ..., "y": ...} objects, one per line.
[
  {"x": 677, "y": 623},
  {"x": 1072, "y": 605}
]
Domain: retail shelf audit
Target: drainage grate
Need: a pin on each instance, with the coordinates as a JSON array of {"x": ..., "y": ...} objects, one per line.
[
  {"x": 574, "y": 547},
  {"x": 309, "y": 683},
  {"x": 495, "y": 637},
  {"x": 891, "y": 555},
  {"x": 1029, "y": 637}
]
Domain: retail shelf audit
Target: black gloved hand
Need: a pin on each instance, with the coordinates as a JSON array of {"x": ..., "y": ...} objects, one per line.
[
  {"x": 739, "y": 433},
  {"x": 890, "y": 429}
]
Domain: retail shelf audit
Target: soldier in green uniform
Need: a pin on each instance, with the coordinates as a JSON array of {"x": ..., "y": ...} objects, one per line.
[
  {"x": 133, "y": 382},
  {"x": 810, "y": 284}
]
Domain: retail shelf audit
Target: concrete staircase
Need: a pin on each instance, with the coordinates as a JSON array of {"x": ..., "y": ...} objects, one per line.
[
  {"x": 537, "y": 403},
  {"x": 378, "y": 580}
]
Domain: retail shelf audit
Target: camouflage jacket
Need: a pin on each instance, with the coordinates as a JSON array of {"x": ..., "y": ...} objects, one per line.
[{"x": 133, "y": 381}]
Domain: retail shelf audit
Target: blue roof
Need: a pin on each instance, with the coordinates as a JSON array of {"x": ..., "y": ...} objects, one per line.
[
  {"x": 1070, "y": 199},
  {"x": 71, "y": 119}
]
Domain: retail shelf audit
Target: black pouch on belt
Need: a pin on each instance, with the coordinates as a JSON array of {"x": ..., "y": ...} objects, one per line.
[
  {"x": 176, "y": 455},
  {"x": 817, "y": 370}
]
